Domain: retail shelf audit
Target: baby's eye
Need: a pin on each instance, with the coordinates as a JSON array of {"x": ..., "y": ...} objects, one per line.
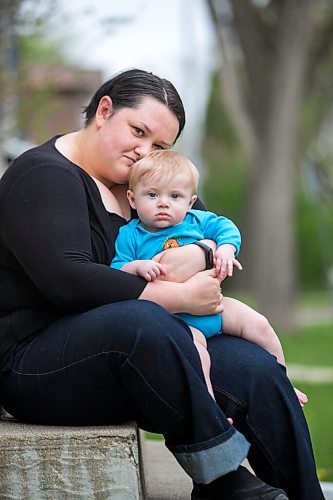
[
  {"x": 152, "y": 194},
  {"x": 175, "y": 196}
]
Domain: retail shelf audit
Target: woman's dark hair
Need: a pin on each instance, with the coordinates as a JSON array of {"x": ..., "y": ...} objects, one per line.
[{"x": 128, "y": 88}]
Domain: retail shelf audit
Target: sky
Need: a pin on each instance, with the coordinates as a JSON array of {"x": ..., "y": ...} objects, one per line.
[
  {"x": 173, "y": 38},
  {"x": 154, "y": 33}
]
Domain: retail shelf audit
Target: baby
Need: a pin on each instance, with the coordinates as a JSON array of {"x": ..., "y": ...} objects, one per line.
[{"x": 162, "y": 189}]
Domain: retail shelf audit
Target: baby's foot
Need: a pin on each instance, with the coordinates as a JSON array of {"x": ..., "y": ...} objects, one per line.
[{"x": 302, "y": 398}]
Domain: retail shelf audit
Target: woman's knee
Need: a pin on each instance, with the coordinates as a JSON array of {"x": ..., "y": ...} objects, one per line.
[
  {"x": 244, "y": 374},
  {"x": 240, "y": 360}
]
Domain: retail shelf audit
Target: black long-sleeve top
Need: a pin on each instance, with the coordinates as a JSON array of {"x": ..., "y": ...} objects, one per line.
[{"x": 56, "y": 244}]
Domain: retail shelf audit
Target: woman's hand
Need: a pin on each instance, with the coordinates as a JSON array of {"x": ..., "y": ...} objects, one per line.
[
  {"x": 199, "y": 295},
  {"x": 182, "y": 263},
  {"x": 203, "y": 294}
]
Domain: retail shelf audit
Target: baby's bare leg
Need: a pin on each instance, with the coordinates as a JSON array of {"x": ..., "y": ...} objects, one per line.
[
  {"x": 201, "y": 345},
  {"x": 242, "y": 321}
]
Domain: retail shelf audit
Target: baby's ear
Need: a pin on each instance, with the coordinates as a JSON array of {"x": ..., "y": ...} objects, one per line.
[
  {"x": 193, "y": 200},
  {"x": 131, "y": 198}
]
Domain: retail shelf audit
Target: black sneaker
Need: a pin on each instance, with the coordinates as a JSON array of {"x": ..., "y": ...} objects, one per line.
[{"x": 237, "y": 485}]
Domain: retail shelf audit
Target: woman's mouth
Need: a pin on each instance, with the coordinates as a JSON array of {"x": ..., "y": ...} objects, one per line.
[{"x": 130, "y": 160}]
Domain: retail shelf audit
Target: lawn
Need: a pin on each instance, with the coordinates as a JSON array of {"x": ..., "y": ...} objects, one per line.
[
  {"x": 313, "y": 345},
  {"x": 310, "y": 345},
  {"x": 319, "y": 414}
]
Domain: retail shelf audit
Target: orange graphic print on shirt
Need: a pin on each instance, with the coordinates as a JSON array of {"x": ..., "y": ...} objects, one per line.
[{"x": 171, "y": 243}]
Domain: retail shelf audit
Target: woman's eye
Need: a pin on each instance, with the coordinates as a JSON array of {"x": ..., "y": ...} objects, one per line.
[
  {"x": 152, "y": 195},
  {"x": 158, "y": 147},
  {"x": 139, "y": 131}
]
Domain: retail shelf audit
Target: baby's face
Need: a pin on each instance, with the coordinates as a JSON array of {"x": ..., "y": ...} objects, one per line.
[{"x": 161, "y": 203}]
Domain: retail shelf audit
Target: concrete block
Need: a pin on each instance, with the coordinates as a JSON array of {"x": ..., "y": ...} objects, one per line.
[{"x": 49, "y": 462}]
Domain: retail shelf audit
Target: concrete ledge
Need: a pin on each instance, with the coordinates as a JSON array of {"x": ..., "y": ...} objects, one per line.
[{"x": 46, "y": 462}]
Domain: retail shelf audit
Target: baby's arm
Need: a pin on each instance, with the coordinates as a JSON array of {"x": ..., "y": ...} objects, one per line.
[
  {"x": 147, "y": 269},
  {"x": 224, "y": 261}
]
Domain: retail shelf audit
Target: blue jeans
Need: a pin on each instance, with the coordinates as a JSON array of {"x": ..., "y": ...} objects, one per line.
[
  {"x": 254, "y": 390},
  {"x": 134, "y": 361}
]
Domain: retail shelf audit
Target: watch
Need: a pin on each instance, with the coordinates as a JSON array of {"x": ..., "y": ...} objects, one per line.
[{"x": 208, "y": 254}]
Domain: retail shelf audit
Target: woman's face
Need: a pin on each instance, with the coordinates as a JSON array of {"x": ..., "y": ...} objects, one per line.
[{"x": 128, "y": 135}]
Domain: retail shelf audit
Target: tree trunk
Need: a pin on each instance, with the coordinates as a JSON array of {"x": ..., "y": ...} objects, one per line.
[
  {"x": 274, "y": 62},
  {"x": 271, "y": 209}
]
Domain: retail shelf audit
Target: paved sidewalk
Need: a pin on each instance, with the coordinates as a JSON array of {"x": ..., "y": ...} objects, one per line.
[
  {"x": 310, "y": 374},
  {"x": 165, "y": 479}
]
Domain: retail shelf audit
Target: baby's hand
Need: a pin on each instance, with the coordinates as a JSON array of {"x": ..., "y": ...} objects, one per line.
[
  {"x": 149, "y": 269},
  {"x": 224, "y": 260},
  {"x": 302, "y": 398}
]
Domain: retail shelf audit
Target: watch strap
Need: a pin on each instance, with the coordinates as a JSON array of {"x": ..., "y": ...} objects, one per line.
[{"x": 209, "y": 260}]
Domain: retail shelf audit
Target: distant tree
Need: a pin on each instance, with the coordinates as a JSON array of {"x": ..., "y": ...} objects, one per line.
[
  {"x": 264, "y": 76},
  {"x": 26, "y": 40},
  {"x": 8, "y": 70},
  {"x": 17, "y": 19}
]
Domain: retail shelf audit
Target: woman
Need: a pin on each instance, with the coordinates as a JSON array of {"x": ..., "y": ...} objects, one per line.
[{"x": 73, "y": 327}]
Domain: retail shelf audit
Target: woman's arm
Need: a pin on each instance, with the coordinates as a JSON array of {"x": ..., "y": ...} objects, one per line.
[
  {"x": 199, "y": 295},
  {"x": 45, "y": 225}
]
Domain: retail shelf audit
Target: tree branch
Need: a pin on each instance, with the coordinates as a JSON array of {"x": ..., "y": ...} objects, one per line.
[{"x": 231, "y": 93}]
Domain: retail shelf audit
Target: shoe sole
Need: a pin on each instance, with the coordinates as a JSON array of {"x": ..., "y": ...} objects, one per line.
[{"x": 281, "y": 496}]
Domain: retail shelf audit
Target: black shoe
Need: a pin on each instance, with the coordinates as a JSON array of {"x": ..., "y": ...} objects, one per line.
[{"x": 237, "y": 485}]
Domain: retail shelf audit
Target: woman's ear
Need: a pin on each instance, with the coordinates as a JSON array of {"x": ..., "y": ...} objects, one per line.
[
  {"x": 104, "y": 110},
  {"x": 193, "y": 200},
  {"x": 131, "y": 198}
]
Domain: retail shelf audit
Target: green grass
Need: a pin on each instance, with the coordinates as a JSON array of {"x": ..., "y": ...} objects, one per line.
[
  {"x": 315, "y": 298},
  {"x": 319, "y": 415},
  {"x": 313, "y": 345},
  {"x": 310, "y": 345},
  {"x": 155, "y": 437}
]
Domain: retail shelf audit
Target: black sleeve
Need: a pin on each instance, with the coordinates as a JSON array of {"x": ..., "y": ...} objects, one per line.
[{"x": 45, "y": 224}]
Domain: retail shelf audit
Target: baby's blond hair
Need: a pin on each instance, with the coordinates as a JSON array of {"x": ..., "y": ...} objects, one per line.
[{"x": 163, "y": 163}]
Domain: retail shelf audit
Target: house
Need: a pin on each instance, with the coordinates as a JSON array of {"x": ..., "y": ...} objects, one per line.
[{"x": 51, "y": 99}]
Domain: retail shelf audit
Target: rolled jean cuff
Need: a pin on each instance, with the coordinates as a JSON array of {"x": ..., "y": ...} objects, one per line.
[{"x": 207, "y": 461}]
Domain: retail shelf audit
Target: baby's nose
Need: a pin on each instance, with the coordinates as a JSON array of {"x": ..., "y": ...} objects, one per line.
[{"x": 163, "y": 202}]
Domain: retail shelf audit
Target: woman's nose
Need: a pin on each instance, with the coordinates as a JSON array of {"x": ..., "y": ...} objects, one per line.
[{"x": 142, "y": 150}]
